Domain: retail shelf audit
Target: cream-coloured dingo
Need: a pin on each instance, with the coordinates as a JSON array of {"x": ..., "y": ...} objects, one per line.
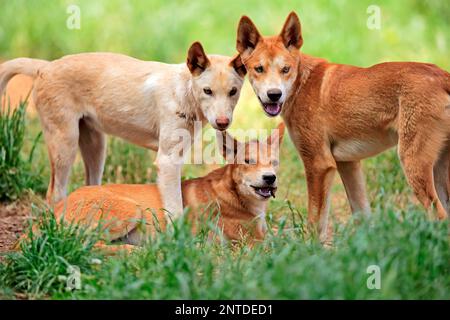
[{"x": 81, "y": 97}]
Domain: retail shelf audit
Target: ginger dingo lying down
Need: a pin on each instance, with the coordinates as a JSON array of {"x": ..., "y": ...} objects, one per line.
[
  {"x": 237, "y": 193},
  {"x": 339, "y": 114},
  {"x": 81, "y": 97}
]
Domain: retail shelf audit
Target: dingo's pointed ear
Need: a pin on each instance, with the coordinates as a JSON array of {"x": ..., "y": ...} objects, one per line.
[
  {"x": 277, "y": 135},
  {"x": 291, "y": 34},
  {"x": 197, "y": 61},
  {"x": 247, "y": 36},
  {"x": 228, "y": 145},
  {"x": 238, "y": 65}
]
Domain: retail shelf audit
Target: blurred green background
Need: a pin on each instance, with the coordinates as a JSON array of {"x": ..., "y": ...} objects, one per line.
[{"x": 163, "y": 30}]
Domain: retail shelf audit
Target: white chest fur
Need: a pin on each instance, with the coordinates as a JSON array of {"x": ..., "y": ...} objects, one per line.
[{"x": 361, "y": 148}]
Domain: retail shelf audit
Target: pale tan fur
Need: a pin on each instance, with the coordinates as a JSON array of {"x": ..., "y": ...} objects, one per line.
[
  {"x": 82, "y": 97},
  {"x": 338, "y": 115}
]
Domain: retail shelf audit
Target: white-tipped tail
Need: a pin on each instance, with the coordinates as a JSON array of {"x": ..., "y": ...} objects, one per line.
[{"x": 25, "y": 66}]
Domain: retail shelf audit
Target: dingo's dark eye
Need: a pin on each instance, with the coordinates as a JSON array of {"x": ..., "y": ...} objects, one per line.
[
  {"x": 275, "y": 163},
  {"x": 286, "y": 69},
  {"x": 207, "y": 91},
  {"x": 250, "y": 161},
  {"x": 233, "y": 91},
  {"x": 259, "y": 69}
]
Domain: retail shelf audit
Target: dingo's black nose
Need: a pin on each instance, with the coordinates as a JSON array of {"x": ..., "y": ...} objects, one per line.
[
  {"x": 274, "y": 94},
  {"x": 269, "y": 178}
]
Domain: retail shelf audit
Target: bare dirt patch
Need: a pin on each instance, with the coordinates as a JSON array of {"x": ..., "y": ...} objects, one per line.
[{"x": 13, "y": 221}]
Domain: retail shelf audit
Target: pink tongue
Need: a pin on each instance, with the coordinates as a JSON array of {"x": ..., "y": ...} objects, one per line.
[
  {"x": 265, "y": 191},
  {"x": 272, "y": 108}
]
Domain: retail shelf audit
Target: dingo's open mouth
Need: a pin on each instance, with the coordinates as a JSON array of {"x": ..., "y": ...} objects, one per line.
[
  {"x": 272, "y": 109},
  {"x": 265, "y": 192}
]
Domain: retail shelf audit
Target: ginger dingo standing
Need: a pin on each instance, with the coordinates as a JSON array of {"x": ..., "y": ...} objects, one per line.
[{"x": 339, "y": 114}]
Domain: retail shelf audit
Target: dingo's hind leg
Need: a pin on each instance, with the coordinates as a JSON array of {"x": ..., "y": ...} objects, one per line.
[{"x": 93, "y": 150}]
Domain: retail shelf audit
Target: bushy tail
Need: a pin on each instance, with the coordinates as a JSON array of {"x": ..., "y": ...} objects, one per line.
[{"x": 25, "y": 66}]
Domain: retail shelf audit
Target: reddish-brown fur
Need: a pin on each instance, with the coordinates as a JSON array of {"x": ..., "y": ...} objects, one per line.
[
  {"x": 128, "y": 212},
  {"x": 339, "y": 114}
]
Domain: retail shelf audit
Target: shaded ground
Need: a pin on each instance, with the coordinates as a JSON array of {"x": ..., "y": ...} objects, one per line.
[
  {"x": 13, "y": 216},
  {"x": 13, "y": 220}
]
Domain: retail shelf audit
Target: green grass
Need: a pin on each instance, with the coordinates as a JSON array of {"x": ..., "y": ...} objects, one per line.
[
  {"x": 41, "y": 266},
  {"x": 16, "y": 171},
  {"x": 127, "y": 163},
  {"x": 412, "y": 252},
  {"x": 413, "y": 256}
]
